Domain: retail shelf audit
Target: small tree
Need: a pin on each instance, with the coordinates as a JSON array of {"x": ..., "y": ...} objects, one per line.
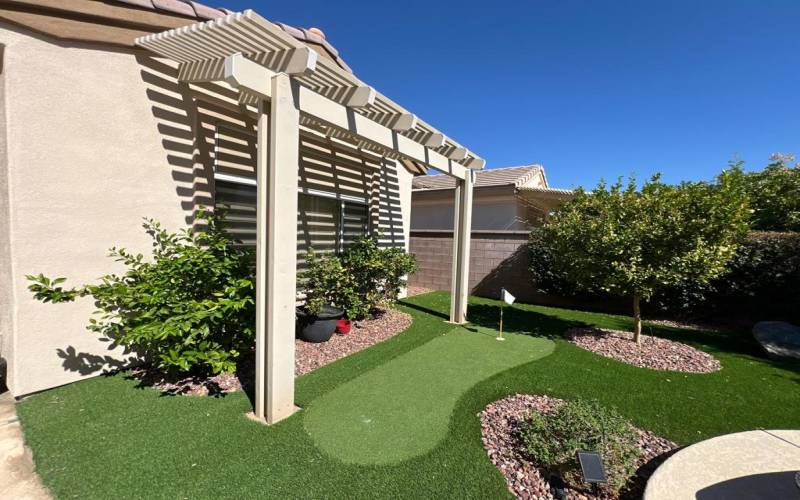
[{"x": 631, "y": 242}]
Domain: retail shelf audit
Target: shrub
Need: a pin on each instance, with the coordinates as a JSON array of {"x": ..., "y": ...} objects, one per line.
[
  {"x": 775, "y": 195},
  {"x": 364, "y": 277},
  {"x": 762, "y": 282},
  {"x": 190, "y": 306},
  {"x": 553, "y": 440}
]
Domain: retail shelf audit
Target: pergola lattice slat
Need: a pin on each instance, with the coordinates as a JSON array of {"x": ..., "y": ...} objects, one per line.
[{"x": 291, "y": 86}]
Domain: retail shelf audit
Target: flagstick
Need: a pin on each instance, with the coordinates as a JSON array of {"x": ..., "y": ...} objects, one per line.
[{"x": 500, "y": 337}]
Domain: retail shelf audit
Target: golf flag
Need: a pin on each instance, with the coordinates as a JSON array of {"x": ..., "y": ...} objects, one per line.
[{"x": 507, "y": 297}]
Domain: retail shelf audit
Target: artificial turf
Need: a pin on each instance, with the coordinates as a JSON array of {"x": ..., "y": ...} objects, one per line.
[
  {"x": 106, "y": 438},
  {"x": 408, "y": 401}
]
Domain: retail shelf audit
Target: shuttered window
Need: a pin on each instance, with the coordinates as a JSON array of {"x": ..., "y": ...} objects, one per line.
[{"x": 326, "y": 222}]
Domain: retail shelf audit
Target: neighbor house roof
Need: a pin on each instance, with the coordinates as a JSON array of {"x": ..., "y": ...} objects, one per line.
[{"x": 509, "y": 176}]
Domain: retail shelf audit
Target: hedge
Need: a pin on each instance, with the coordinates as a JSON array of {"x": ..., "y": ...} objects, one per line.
[{"x": 762, "y": 282}]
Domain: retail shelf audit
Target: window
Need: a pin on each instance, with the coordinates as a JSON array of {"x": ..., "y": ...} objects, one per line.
[{"x": 326, "y": 222}]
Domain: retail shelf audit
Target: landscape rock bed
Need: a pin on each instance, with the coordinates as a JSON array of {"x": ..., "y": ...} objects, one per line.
[
  {"x": 308, "y": 357},
  {"x": 500, "y": 424},
  {"x": 653, "y": 352},
  {"x": 363, "y": 334}
]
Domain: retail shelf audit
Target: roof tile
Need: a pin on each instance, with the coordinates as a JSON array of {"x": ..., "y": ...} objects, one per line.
[
  {"x": 206, "y": 12},
  {"x": 510, "y": 176},
  {"x": 146, "y": 4},
  {"x": 175, "y": 6}
]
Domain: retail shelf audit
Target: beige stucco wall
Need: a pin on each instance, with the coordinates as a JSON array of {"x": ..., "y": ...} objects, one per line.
[
  {"x": 97, "y": 139},
  {"x": 80, "y": 178},
  {"x": 493, "y": 208}
]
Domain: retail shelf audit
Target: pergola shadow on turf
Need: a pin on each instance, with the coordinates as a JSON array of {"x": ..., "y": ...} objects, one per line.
[{"x": 288, "y": 89}]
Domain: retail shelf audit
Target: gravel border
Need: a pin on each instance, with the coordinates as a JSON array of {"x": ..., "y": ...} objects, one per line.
[
  {"x": 417, "y": 290},
  {"x": 653, "y": 352},
  {"x": 308, "y": 357},
  {"x": 500, "y": 423}
]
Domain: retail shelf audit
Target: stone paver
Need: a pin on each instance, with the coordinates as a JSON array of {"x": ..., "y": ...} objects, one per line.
[
  {"x": 742, "y": 466},
  {"x": 18, "y": 480}
]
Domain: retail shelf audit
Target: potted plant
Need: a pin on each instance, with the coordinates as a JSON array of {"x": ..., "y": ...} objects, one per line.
[
  {"x": 317, "y": 325},
  {"x": 317, "y": 318}
]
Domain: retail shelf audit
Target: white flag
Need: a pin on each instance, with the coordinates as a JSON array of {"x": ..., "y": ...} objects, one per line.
[{"x": 507, "y": 297}]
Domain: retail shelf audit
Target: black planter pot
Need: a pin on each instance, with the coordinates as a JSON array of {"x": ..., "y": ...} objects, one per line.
[{"x": 317, "y": 328}]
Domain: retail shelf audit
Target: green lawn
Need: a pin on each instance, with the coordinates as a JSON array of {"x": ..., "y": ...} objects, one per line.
[{"x": 106, "y": 438}]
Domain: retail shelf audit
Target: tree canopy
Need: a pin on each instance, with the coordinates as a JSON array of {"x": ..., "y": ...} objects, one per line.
[
  {"x": 631, "y": 242},
  {"x": 775, "y": 195}
]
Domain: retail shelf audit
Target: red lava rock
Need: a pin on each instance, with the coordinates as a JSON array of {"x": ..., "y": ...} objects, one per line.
[
  {"x": 500, "y": 423},
  {"x": 417, "y": 290},
  {"x": 308, "y": 357},
  {"x": 387, "y": 324},
  {"x": 653, "y": 352}
]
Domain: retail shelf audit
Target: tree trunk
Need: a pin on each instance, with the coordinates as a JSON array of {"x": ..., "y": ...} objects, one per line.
[{"x": 637, "y": 319}]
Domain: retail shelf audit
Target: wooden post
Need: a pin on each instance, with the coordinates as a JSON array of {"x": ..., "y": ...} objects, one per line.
[
  {"x": 462, "y": 228},
  {"x": 275, "y": 332}
]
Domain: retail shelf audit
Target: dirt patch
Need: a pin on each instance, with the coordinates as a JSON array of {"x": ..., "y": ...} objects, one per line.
[
  {"x": 308, "y": 357},
  {"x": 500, "y": 425},
  {"x": 653, "y": 352}
]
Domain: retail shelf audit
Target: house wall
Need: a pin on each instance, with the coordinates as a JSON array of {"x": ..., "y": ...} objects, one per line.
[
  {"x": 493, "y": 208},
  {"x": 98, "y": 138}
]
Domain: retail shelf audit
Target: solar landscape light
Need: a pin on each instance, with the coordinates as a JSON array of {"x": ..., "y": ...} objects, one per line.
[{"x": 592, "y": 470}]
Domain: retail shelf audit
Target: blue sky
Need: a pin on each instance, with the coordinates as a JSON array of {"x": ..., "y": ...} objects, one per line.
[{"x": 590, "y": 89}]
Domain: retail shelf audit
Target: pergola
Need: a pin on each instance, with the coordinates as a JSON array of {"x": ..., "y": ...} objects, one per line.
[{"x": 291, "y": 86}]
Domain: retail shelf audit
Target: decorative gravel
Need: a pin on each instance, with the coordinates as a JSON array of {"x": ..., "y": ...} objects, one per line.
[
  {"x": 653, "y": 352},
  {"x": 500, "y": 424},
  {"x": 417, "y": 290},
  {"x": 386, "y": 324},
  {"x": 308, "y": 357}
]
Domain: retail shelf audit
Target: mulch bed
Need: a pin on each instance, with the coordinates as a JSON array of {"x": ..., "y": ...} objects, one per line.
[
  {"x": 653, "y": 352},
  {"x": 308, "y": 357},
  {"x": 500, "y": 424}
]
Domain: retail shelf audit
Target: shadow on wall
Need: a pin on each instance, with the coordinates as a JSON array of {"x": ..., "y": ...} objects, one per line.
[{"x": 85, "y": 363}]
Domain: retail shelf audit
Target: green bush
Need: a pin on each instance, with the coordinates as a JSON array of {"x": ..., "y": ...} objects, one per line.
[
  {"x": 364, "y": 277},
  {"x": 191, "y": 306},
  {"x": 762, "y": 282},
  {"x": 552, "y": 441}
]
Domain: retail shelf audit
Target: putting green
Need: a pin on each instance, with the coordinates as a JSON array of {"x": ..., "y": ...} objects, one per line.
[{"x": 402, "y": 409}]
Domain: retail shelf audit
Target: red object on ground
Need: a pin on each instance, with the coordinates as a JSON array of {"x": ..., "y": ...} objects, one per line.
[{"x": 343, "y": 326}]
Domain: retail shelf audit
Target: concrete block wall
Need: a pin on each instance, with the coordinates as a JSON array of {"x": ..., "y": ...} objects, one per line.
[{"x": 497, "y": 259}]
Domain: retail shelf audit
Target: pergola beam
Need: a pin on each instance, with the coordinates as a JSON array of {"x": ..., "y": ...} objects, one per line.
[
  {"x": 435, "y": 140},
  {"x": 254, "y": 78},
  {"x": 361, "y": 97},
  {"x": 403, "y": 122}
]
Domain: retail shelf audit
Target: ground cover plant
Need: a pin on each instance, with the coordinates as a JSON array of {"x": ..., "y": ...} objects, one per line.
[
  {"x": 105, "y": 438},
  {"x": 553, "y": 441}
]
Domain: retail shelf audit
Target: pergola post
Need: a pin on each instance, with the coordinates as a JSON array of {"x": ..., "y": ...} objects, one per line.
[
  {"x": 278, "y": 164},
  {"x": 462, "y": 228}
]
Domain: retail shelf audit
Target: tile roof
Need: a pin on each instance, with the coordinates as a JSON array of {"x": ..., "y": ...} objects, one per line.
[
  {"x": 509, "y": 176},
  {"x": 202, "y": 12}
]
